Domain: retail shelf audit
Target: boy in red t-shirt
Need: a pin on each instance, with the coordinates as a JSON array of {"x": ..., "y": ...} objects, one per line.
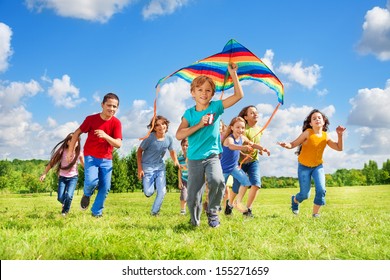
[{"x": 104, "y": 134}]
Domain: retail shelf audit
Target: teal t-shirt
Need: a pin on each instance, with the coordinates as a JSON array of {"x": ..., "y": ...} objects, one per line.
[{"x": 207, "y": 140}]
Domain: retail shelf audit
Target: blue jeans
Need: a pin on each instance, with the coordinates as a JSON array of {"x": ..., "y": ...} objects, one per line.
[
  {"x": 253, "y": 170},
  {"x": 66, "y": 187},
  {"x": 239, "y": 175},
  {"x": 97, "y": 173},
  {"x": 304, "y": 176},
  {"x": 152, "y": 181}
]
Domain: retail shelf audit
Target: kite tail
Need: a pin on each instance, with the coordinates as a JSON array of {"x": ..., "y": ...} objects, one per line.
[
  {"x": 154, "y": 114},
  {"x": 261, "y": 130}
]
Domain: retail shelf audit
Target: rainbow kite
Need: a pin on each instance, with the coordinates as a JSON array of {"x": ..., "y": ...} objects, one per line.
[{"x": 250, "y": 67}]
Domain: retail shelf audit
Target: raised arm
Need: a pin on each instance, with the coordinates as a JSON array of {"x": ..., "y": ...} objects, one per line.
[
  {"x": 338, "y": 146},
  {"x": 238, "y": 92}
]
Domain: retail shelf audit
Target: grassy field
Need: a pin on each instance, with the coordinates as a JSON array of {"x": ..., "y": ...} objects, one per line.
[{"x": 354, "y": 225}]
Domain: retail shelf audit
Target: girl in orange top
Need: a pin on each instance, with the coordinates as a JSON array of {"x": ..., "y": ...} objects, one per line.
[{"x": 312, "y": 143}]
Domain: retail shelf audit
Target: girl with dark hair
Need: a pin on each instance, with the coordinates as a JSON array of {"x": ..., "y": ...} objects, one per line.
[
  {"x": 250, "y": 163},
  {"x": 312, "y": 143},
  {"x": 67, "y": 171}
]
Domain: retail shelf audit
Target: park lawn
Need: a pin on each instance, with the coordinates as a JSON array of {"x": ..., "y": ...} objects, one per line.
[{"x": 354, "y": 225}]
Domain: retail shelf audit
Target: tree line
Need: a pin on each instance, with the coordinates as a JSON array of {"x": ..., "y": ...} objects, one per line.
[{"x": 22, "y": 176}]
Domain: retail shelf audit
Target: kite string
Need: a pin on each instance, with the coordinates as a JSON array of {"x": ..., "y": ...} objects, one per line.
[{"x": 154, "y": 114}]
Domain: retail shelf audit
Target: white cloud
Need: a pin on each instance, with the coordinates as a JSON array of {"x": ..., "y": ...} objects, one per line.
[
  {"x": 268, "y": 58},
  {"x": 93, "y": 10},
  {"x": 371, "y": 114},
  {"x": 5, "y": 46},
  {"x": 162, "y": 7},
  {"x": 376, "y": 33},
  {"x": 305, "y": 76},
  {"x": 12, "y": 93},
  {"x": 370, "y": 107},
  {"x": 64, "y": 93}
]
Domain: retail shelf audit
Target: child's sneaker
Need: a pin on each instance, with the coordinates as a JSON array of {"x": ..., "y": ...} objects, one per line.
[
  {"x": 84, "y": 202},
  {"x": 182, "y": 212},
  {"x": 213, "y": 220},
  {"x": 294, "y": 206},
  {"x": 248, "y": 213},
  {"x": 316, "y": 215},
  {"x": 228, "y": 208}
]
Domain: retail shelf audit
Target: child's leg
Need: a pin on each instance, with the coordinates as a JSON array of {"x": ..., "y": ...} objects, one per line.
[
  {"x": 216, "y": 183},
  {"x": 105, "y": 172},
  {"x": 68, "y": 196},
  {"x": 254, "y": 190},
  {"x": 304, "y": 177},
  {"x": 319, "y": 182},
  {"x": 91, "y": 175},
  {"x": 61, "y": 189},
  {"x": 148, "y": 183},
  {"x": 253, "y": 171},
  {"x": 195, "y": 190},
  {"x": 161, "y": 191}
]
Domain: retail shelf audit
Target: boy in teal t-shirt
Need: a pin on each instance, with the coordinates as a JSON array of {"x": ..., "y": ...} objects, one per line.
[{"x": 200, "y": 124}]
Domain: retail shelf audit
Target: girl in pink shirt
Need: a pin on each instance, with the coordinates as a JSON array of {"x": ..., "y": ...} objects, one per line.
[{"x": 67, "y": 171}]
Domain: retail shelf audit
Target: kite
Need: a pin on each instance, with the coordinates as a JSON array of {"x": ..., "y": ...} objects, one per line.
[{"x": 250, "y": 67}]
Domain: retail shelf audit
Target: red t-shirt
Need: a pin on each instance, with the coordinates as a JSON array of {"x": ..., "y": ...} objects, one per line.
[{"x": 95, "y": 146}]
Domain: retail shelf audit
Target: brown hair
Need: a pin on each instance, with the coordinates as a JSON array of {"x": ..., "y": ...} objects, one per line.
[
  {"x": 153, "y": 122},
  {"x": 56, "y": 154},
  {"x": 110, "y": 95},
  {"x": 229, "y": 128},
  {"x": 200, "y": 80},
  {"x": 244, "y": 111}
]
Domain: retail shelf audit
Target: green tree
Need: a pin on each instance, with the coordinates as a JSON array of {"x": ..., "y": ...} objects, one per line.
[
  {"x": 171, "y": 175},
  {"x": 386, "y": 170},
  {"x": 119, "y": 180},
  {"x": 132, "y": 171},
  {"x": 370, "y": 170}
]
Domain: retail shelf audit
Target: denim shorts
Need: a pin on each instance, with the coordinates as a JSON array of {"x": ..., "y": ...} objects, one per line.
[{"x": 252, "y": 169}]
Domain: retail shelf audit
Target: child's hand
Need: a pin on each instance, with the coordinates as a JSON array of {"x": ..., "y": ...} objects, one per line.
[
  {"x": 42, "y": 178},
  {"x": 340, "y": 129},
  {"x": 284, "y": 145},
  {"x": 204, "y": 120},
  {"x": 141, "y": 174},
  {"x": 100, "y": 133},
  {"x": 266, "y": 151},
  {"x": 232, "y": 68}
]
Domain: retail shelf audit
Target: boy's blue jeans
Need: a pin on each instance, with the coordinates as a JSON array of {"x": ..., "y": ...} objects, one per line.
[
  {"x": 66, "y": 187},
  {"x": 304, "y": 176},
  {"x": 152, "y": 181},
  {"x": 97, "y": 172}
]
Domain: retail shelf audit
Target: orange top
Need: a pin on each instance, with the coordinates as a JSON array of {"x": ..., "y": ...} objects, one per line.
[{"x": 312, "y": 149}]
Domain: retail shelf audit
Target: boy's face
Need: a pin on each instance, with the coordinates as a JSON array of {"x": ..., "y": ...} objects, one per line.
[
  {"x": 110, "y": 107},
  {"x": 160, "y": 127},
  {"x": 184, "y": 147},
  {"x": 203, "y": 94}
]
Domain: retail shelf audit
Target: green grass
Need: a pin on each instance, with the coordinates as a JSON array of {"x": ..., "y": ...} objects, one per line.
[{"x": 354, "y": 225}]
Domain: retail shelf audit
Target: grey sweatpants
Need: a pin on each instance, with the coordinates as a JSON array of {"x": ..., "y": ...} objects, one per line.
[{"x": 197, "y": 170}]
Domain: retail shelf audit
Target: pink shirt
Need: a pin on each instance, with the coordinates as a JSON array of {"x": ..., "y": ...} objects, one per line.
[{"x": 73, "y": 171}]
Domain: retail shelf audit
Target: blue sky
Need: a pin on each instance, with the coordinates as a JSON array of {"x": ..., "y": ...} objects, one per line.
[{"x": 58, "y": 60}]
